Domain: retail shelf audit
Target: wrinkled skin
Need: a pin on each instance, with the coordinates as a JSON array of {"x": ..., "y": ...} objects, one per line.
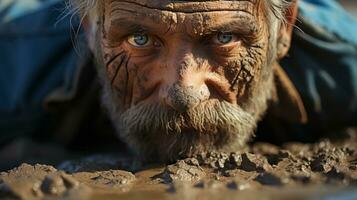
[{"x": 187, "y": 76}]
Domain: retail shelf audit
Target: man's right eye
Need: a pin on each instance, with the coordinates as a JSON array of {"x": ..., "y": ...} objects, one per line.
[{"x": 140, "y": 40}]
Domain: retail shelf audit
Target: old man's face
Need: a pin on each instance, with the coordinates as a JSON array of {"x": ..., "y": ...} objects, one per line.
[{"x": 182, "y": 77}]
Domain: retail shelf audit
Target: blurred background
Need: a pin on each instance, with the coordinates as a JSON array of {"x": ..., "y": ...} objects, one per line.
[{"x": 351, "y": 6}]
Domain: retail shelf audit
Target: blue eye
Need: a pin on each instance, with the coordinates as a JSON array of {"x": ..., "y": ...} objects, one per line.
[
  {"x": 225, "y": 38},
  {"x": 139, "y": 40}
]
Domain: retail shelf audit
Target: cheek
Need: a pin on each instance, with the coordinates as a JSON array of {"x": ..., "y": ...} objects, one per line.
[
  {"x": 118, "y": 68},
  {"x": 114, "y": 61},
  {"x": 132, "y": 77},
  {"x": 243, "y": 69},
  {"x": 145, "y": 83}
]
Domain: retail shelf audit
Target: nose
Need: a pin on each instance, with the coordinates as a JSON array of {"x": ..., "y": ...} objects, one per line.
[
  {"x": 188, "y": 80},
  {"x": 185, "y": 82},
  {"x": 183, "y": 97}
]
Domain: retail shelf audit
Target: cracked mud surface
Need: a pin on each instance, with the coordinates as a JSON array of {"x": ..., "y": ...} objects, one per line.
[{"x": 302, "y": 171}]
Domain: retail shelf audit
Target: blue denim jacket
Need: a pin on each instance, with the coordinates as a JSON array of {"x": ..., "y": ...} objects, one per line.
[
  {"x": 38, "y": 61},
  {"x": 322, "y": 63}
]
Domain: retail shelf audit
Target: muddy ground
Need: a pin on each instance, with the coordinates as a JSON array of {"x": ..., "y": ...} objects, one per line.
[{"x": 324, "y": 170}]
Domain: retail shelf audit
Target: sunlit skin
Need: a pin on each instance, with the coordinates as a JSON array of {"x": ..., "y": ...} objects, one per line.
[
  {"x": 187, "y": 76},
  {"x": 173, "y": 42}
]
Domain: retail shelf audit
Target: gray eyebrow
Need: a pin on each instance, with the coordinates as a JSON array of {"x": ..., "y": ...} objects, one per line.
[{"x": 130, "y": 25}]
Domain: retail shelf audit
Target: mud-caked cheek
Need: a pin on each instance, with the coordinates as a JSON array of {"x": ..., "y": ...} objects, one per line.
[
  {"x": 241, "y": 67},
  {"x": 250, "y": 75},
  {"x": 227, "y": 62}
]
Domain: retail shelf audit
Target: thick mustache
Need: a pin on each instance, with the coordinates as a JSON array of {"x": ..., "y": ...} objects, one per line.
[{"x": 208, "y": 117}]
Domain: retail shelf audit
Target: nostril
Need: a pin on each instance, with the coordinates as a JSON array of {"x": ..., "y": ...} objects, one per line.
[
  {"x": 219, "y": 91},
  {"x": 213, "y": 93}
]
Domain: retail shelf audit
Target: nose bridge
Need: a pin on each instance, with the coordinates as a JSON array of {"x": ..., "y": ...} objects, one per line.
[
  {"x": 187, "y": 68},
  {"x": 185, "y": 87},
  {"x": 179, "y": 59},
  {"x": 182, "y": 60},
  {"x": 189, "y": 72}
]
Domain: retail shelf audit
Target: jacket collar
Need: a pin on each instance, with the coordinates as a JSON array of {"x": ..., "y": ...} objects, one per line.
[{"x": 287, "y": 102}]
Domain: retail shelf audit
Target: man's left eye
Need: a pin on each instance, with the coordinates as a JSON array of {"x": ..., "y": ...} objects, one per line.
[
  {"x": 224, "y": 38},
  {"x": 140, "y": 40}
]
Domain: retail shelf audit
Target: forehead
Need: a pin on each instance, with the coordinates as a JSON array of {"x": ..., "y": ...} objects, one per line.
[
  {"x": 176, "y": 13},
  {"x": 191, "y": 6}
]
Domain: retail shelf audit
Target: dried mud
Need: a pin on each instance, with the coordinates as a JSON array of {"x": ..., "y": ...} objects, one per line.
[{"x": 296, "y": 171}]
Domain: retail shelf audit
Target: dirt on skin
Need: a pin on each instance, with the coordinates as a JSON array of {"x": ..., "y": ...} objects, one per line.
[{"x": 296, "y": 171}]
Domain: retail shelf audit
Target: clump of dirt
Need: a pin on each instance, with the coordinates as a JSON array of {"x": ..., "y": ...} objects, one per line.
[
  {"x": 183, "y": 170},
  {"x": 36, "y": 182},
  {"x": 304, "y": 170},
  {"x": 321, "y": 163}
]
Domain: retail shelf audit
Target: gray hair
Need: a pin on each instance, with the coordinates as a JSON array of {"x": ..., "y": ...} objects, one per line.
[{"x": 275, "y": 8}]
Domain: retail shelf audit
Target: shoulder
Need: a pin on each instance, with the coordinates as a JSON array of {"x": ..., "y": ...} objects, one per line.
[
  {"x": 11, "y": 10},
  {"x": 330, "y": 18}
]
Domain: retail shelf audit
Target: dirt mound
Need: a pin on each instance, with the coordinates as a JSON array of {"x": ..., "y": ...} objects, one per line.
[{"x": 298, "y": 170}]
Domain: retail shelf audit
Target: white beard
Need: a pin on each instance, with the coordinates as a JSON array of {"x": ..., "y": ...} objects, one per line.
[{"x": 155, "y": 132}]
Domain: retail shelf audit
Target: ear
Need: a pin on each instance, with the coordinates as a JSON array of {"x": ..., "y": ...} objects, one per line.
[
  {"x": 286, "y": 29},
  {"x": 288, "y": 104}
]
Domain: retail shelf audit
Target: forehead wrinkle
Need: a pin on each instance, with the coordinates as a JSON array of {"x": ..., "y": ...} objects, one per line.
[
  {"x": 248, "y": 6},
  {"x": 131, "y": 20},
  {"x": 172, "y": 21},
  {"x": 207, "y": 24}
]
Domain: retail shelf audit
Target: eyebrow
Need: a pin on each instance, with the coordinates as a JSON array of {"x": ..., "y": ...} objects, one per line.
[
  {"x": 129, "y": 26},
  {"x": 246, "y": 28},
  {"x": 246, "y": 25},
  {"x": 243, "y": 23}
]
